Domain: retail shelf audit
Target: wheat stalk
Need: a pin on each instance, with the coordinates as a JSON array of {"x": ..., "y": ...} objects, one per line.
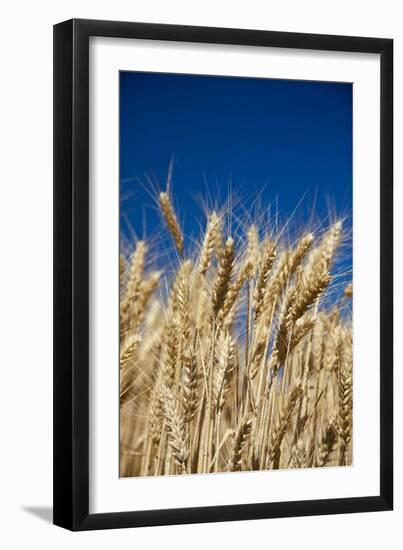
[{"x": 232, "y": 359}]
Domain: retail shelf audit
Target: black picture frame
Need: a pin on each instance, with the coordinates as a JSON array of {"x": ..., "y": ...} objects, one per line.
[{"x": 71, "y": 274}]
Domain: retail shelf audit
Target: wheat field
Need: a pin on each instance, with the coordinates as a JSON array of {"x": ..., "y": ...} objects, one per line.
[{"x": 237, "y": 358}]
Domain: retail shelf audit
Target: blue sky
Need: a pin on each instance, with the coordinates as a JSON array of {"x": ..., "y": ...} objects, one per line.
[{"x": 289, "y": 141}]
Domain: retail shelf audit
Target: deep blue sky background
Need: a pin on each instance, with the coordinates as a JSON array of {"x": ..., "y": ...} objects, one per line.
[{"x": 292, "y": 139}]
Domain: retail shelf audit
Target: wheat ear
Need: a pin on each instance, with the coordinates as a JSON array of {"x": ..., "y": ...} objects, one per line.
[
  {"x": 209, "y": 243},
  {"x": 190, "y": 383},
  {"x": 127, "y": 378},
  {"x": 225, "y": 368},
  {"x": 327, "y": 444},
  {"x": 136, "y": 269},
  {"x": 128, "y": 350},
  {"x": 242, "y": 437},
  {"x": 224, "y": 274},
  {"x": 175, "y": 427},
  {"x": 170, "y": 352},
  {"x": 171, "y": 221},
  {"x": 253, "y": 250},
  {"x": 234, "y": 291},
  {"x": 283, "y": 425},
  {"x": 344, "y": 419},
  {"x": 269, "y": 254},
  {"x": 287, "y": 266}
]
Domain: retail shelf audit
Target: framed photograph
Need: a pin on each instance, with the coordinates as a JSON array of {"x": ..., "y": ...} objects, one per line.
[{"x": 223, "y": 241}]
